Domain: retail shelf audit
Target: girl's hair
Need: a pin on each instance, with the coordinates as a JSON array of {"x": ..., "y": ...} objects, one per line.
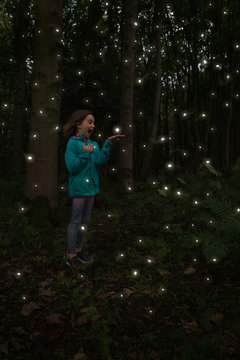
[{"x": 70, "y": 128}]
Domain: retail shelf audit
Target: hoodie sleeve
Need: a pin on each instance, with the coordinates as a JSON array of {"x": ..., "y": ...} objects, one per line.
[
  {"x": 73, "y": 160},
  {"x": 103, "y": 154}
]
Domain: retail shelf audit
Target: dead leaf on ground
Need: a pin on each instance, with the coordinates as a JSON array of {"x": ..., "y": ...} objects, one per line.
[
  {"x": 54, "y": 319},
  {"x": 80, "y": 355},
  {"x": 111, "y": 294},
  {"x": 217, "y": 318},
  {"x": 4, "y": 348},
  {"x": 82, "y": 320},
  {"x": 61, "y": 274},
  {"x": 27, "y": 309},
  {"x": 20, "y": 331},
  {"x": 50, "y": 337},
  {"x": 16, "y": 344},
  {"x": 190, "y": 325},
  {"x": 45, "y": 283},
  {"x": 46, "y": 292},
  {"x": 128, "y": 292},
  {"x": 189, "y": 271},
  {"x": 163, "y": 272}
]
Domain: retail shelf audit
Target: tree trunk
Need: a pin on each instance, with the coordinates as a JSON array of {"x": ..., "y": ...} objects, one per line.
[
  {"x": 21, "y": 23},
  {"x": 125, "y": 158},
  {"x": 232, "y": 55},
  {"x": 41, "y": 176},
  {"x": 159, "y": 15}
]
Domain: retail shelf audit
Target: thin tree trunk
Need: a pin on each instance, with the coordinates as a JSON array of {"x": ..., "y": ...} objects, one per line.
[
  {"x": 41, "y": 176},
  {"x": 125, "y": 158},
  {"x": 230, "y": 115},
  {"x": 159, "y": 14},
  {"x": 21, "y": 23}
]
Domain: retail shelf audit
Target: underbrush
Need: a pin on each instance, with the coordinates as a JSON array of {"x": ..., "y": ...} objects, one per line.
[{"x": 192, "y": 216}]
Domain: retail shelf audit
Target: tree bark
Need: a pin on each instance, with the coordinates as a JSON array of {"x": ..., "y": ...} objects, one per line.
[
  {"x": 41, "y": 175},
  {"x": 159, "y": 15},
  {"x": 125, "y": 158},
  {"x": 21, "y": 23}
]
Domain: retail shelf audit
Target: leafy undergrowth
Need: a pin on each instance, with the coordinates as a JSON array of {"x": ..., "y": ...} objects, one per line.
[{"x": 151, "y": 292}]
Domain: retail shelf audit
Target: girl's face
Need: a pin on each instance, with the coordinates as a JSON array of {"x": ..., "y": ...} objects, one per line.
[{"x": 87, "y": 126}]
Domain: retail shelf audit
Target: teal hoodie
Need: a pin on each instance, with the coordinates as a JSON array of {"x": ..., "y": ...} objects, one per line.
[{"x": 83, "y": 165}]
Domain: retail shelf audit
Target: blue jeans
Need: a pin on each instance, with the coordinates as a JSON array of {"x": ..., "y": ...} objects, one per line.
[{"x": 81, "y": 211}]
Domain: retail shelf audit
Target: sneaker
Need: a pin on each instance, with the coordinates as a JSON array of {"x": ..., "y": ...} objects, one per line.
[
  {"x": 84, "y": 258},
  {"x": 72, "y": 261}
]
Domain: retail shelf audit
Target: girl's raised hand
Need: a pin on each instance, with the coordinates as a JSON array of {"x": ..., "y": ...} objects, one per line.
[
  {"x": 116, "y": 137},
  {"x": 88, "y": 147}
]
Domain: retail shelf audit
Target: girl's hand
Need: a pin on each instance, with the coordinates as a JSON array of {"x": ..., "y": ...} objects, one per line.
[
  {"x": 116, "y": 137},
  {"x": 88, "y": 147}
]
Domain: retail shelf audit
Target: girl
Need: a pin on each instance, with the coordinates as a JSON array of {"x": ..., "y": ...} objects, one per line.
[{"x": 82, "y": 156}]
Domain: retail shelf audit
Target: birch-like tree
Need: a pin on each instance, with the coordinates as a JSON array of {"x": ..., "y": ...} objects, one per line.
[{"x": 125, "y": 159}]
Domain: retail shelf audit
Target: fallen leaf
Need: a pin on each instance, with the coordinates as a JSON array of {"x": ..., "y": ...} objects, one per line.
[
  {"x": 50, "y": 337},
  {"x": 16, "y": 344},
  {"x": 46, "y": 292},
  {"x": 128, "y": 292},
  {"x": 27, "y": 309},
  {"x": 217, "y": 318},
  {"x": 45, "y": 283},
  {"x": 80, "y": 355},
  {"x": 4, "y": 348},
  {"x": 54, "y": 319},
  {"x": 163, "y": 272},
  {"x": 20, "y": 331},
  {"x": 111, "y": 293},
  {"x": 189, "y": 271},
  {"x": 82, "y": 320},
  {"x": 190, "y": 325},
  {"x": 61, "y": 274}
]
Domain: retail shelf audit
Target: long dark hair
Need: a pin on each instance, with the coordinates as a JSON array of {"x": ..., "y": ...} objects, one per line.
[{"x": 70, "y": 128}]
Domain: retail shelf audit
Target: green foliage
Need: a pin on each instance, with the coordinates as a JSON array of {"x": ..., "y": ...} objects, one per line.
[
  {"x": 220, "y": 228},
  {"x": 102, "y": 333}
]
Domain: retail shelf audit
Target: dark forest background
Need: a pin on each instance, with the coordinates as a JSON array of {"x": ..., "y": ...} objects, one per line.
[
  {"x": 198, "y": 68},
  {"x": 164, "y": 231}
]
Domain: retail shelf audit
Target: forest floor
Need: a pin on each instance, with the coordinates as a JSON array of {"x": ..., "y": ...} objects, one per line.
[{"x": 144, "y": 297}]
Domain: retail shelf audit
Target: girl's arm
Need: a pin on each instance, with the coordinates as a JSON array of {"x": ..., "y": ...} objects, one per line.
[
  {"x": 74, "y": 161},
  {"x": 103, "y": 154}
]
